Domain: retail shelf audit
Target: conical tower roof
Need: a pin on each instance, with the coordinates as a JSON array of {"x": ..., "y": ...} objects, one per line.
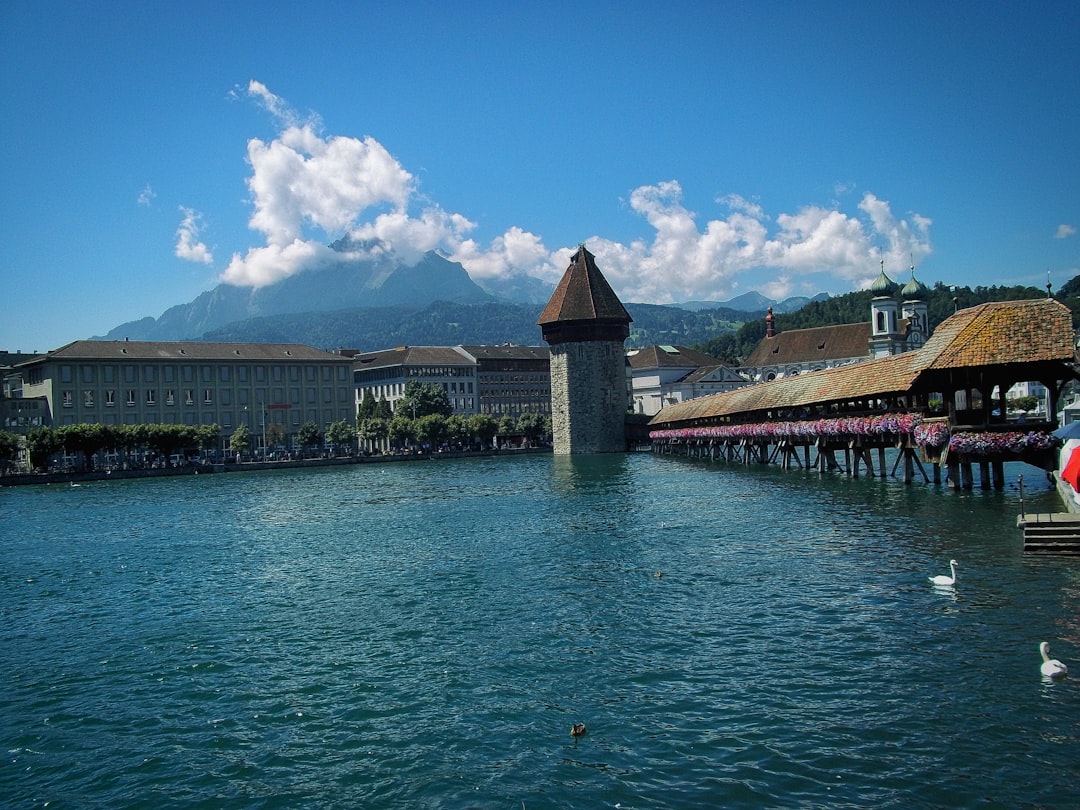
[{"x": 583, "y": 294}]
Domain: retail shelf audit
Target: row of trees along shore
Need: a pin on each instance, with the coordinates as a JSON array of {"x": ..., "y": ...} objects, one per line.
[{"x": 423, "y": 417}]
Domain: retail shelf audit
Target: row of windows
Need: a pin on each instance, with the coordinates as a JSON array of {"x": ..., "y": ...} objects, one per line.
[
  {"x": 188, "y": 396},
  {"x": 186, "y": 373},
  {"x": 439, "y": 371},
  {"x": 226, "y": 420}
]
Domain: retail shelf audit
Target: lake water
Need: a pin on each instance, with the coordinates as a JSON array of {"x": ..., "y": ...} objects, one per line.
[{"x": 425, "y": 635}]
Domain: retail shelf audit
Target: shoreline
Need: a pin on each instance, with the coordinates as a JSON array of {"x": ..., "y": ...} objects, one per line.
[{"x": 30, "y": 479}]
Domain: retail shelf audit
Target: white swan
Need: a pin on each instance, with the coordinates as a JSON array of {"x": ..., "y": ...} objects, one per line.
[
  {"x": 1051, "y": 667},
  {"x": 941, "y": 579}
]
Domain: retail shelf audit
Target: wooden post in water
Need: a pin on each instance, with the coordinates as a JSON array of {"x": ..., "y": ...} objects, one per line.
[
  {"x": 999, "y": 475},
  {"x": 984, "y": 475}
]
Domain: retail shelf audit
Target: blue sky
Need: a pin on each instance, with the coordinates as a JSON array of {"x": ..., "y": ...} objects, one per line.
[{"x": 149, "y": 151}]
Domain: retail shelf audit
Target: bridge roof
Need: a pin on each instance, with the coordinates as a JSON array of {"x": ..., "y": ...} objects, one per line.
[{"x": 994, "y": 334}]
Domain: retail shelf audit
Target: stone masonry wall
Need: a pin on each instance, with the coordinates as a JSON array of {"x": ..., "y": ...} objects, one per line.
[{"x": 588, "y": 397}]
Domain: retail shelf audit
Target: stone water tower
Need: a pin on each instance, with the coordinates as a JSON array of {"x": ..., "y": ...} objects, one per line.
[{"x": 586, "y": 325}]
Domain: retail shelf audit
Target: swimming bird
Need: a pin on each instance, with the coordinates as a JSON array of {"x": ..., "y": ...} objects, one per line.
[
  {"x": 942, "y": 579},
  {"x": 578, "y": 730},
  {"x": 1051, "y": 667}
]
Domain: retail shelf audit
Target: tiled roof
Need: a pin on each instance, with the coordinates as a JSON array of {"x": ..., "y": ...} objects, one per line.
[
  {"x": 509, "y": 352},
  {"x": 412, "y": 356},
  {"x": 671, "y": 357},
  {"x": 583, "y": 294},
  {"x": 182, "y": 350},
  {"x": 1002, "y": 333},
  {"x": 824, "y": 343}
]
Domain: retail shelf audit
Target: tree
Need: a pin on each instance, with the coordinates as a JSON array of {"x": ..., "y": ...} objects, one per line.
[
  {"x": 308, "y": 435},
  {"x": 1025, "y": 403},
  {"x": 275, "y": 434},
  {"x": 341, "y": 434},
  {"x": 85, "y": 439},
  {"x": 431, "y": 429},
  {"x": 483, "y": 426},
  {"x": 366, "y": 408},
  {"x": 532, "y": 426},
  {"x": 402, "y": 430},
  {"x": 420, "y": 399},
  {"x": 383, "y": 410},
  {"x": 9, "y": 448},
  {"x": 507, "y": 425},
  {"x": 373, "y": 431},
  {"x": 240, "y": 440},
  {"x": 457, "y": 429},
  {"x": 41, "y": 443},
  {"x": 207, "y": 436}
]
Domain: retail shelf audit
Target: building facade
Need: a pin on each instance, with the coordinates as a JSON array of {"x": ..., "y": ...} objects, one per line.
[
  {"x": 665, "y": 375},
  {"x": 179, "y": 383},
  {"x": 503, "y": 380}
]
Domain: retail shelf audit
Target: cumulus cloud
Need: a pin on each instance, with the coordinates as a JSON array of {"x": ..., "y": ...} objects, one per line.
[
  {"x": 308, "y": 189},
  {"x": 1064, "y": 231},
  {"x": 188, "y": 245}
]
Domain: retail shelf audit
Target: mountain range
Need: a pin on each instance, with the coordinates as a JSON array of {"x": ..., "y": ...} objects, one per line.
[{"x": 375, "y": 304}]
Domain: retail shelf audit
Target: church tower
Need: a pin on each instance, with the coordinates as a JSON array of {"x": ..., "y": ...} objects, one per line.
[
  {"x": 586, "y": 325},
  {"x": 884, "y": 328},
  {"x": 913, "y": 307}
]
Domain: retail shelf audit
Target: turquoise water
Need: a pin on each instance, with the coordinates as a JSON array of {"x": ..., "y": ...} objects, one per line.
[{"x": 425, "y": 635}]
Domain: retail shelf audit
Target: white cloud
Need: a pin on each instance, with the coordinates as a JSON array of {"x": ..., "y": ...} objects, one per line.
[
  {"x": 1064, "y": 231},
  {"x": 308, "y": 190},
  {"x": 146, "y": 196},
  {"x": 188, "y": 245},
  {"x": 301, "y": 181}
]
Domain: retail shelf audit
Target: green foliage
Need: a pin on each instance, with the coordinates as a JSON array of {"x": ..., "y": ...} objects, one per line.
[
  {"x": 483, "y": 426},
  {"x": 1026, "y": 403},
  {"x": 534, "y": 426},
  {"x": 457, "y": 429},
  {"x": 307, "y": 435},
  {"x": 41, "y": 443},
  {"x": 275, "y": 434},
  {"x": 383, "y": 410},
  {"x": 366, "y": 408},
  {"x": 240, "y": 441},
  {"x": 401, "y": 430},
  {"x": 422, "y": 399},
  {"x": 431, "y": 429},
  {"x": 341, "y": 434},
  {"x": 9, "y": 447},
  {"x": 373, "y": 429}
]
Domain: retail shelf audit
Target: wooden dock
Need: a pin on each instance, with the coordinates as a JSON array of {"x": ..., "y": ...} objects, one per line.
[{"x": 1051, "y": 532}]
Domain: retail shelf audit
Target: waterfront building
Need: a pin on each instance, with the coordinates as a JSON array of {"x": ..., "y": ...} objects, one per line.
[
  {"x": 665, "y": 375},
  {"x": 189, "y": 383},
  {"x": 382, "y": 375},
  {"x": 512, "y": 380},
  {"x": 895, "y": 326},
  {"x": 502, "y": 380},
  {"x": 586, "y": 325}
]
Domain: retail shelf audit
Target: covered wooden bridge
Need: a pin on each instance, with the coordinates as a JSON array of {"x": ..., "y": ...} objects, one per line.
[{"x": 943, "y": 404}]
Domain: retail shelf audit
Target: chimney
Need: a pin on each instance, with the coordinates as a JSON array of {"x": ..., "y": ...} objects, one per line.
[{"x": 770, "y": 324}]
